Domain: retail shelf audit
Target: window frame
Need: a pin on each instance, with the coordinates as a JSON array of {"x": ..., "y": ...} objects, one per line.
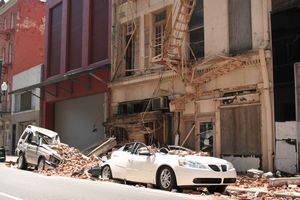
[{"x": 158, "y": 41}]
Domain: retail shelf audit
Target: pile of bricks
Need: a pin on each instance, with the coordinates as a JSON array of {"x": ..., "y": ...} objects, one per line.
[
  {"x": 74, "y": 164},
  {"x": 259, "y": 188}
]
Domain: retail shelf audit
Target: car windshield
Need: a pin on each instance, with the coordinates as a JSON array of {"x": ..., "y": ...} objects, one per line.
[
  {"x": 49, "y": 140},
  {"x": 174, "y": 147}
]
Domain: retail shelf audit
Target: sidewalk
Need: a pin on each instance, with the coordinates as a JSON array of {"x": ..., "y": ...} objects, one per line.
[{"x": 11, "y": 158}]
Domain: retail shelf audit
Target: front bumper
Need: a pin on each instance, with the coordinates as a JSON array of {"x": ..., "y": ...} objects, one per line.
[{"x": 203, "y": 177}]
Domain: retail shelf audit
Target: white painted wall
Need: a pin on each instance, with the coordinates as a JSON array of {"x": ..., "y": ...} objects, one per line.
[
  {"x": 75, "y": 119},
  {"x": 242, "y": 164},
  {"x": 286, "y": 157},
  {"x": 27, "y": 78},
  {"x": 216, "y": 32}
]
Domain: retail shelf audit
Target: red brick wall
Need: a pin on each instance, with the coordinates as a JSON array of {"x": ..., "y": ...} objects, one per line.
[{"x": 29, "y": 35}]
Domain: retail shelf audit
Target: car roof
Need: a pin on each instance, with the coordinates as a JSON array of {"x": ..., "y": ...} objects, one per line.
[{"x": 44, "y": 131}]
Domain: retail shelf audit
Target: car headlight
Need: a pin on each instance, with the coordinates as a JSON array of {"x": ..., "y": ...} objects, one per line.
[
  {"x": 230, "y": 166},
  {"x": 191, "y": 164}
]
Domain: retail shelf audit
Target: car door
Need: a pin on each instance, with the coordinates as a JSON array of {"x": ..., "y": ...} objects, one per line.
[
  {"x": 31, "y": 149},
  {"x": 119, "y": 161},
  {"x": 141, "y": 167}
]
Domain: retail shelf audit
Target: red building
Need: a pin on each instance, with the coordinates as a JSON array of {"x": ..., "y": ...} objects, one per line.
[
  {"x": 21, "y": 48},
  {"x": 77, "y": 68}
]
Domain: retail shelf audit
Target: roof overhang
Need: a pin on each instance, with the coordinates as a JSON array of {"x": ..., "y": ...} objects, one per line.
[{"x": 69, "y": 75}]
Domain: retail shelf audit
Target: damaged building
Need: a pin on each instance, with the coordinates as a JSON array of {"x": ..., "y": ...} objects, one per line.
[
  {"x": 183, "y": 73},
  {"x": 286, "y": 58}
]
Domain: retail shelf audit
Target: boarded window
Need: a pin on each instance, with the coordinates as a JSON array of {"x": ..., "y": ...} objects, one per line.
[
  {"x": 99, "y": 31},
  {"x": 75, "y": 34},
  {"x": 240, "y": 31},
  {"x": 240, "y": 130},
  {"x": 55, "y": 30},
  {"x": 196, "y": 31}
]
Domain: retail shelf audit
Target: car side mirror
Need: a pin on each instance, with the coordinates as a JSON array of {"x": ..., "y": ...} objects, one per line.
[{"x": 145, "y": 153}]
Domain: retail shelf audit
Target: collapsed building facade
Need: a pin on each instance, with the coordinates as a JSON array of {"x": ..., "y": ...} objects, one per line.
[{"x": 184, "y": 73}]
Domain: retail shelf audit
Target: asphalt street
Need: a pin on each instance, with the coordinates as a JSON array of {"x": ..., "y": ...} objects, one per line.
[{"x": 18, "y": 184}]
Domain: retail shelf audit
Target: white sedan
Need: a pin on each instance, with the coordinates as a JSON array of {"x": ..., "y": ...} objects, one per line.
[{"x": 136, "y": 162}]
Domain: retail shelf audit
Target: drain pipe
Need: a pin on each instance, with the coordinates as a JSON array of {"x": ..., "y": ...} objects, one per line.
[{"x": 268, "y": 106}]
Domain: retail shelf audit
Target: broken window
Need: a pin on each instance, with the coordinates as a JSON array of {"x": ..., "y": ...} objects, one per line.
[
  {"x": 196, "y": 32},
  {"x": 160, "y": 20},
  {"x": 240, "y": 30},
  {"x": 130, "y": 51},
  {"x": 207, "y": 137}
]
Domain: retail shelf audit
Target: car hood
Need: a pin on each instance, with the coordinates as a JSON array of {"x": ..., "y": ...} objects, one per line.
[
  {"x": 50, "y": 150},
  {"x": 201, "y": 159},
  {"x": 206, "y": 159}
]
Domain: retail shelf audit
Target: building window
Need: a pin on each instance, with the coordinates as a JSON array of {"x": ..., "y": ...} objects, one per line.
[
  {"x": 5, "y": 24},
  {"x": 196, "y": 32},
  {"x": 12, "y": 20},
  {"x": 74, "y": 57},
  {"x": 99, "y": 31},
  {"x": 10, "y": 53},
  {"x": 55, "y": 34},
  {"x": 23, "y": 102},
  {"x": 129, "y": 57},
  {"x": 160, "y": 20},
  {"x": 4, "y": 54},
  {"x": 240, "y": 30}
]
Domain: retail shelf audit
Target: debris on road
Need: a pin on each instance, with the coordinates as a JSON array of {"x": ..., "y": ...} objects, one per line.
[{"x": 75, "y": 164}]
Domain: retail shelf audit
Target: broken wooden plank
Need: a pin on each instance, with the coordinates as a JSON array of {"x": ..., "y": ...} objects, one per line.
[{"x": 104, "y": 147}]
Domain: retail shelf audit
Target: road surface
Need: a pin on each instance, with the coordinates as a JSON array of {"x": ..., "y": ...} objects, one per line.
[{"x": 18, "y": 184}]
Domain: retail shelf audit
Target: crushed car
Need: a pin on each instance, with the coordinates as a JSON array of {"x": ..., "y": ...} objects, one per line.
[
  {"x": 169, "y": 168},
  {"x": 34, "y": 148}
]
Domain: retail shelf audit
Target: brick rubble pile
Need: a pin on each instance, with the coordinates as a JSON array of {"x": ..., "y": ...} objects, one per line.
[
  {"x": 74, "y": 164},
  {"x": 260, "y": 184}
]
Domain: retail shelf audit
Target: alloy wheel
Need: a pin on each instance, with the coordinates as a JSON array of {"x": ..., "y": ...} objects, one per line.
[{"x": 165, "y": 178}]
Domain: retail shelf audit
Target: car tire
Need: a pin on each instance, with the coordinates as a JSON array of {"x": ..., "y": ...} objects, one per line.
[
  {"x": 106, "y": 172},
  {"x": 41, "y": 164},
  {"x": 21, "y": 162},
  {"x": 216, "y": 188},
  {"x": 166, "y": 179}
]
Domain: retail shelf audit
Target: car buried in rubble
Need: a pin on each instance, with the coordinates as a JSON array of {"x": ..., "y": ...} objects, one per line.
[
  {"x": 34, "y": 148},
  {"x": 168, "y": 168}
]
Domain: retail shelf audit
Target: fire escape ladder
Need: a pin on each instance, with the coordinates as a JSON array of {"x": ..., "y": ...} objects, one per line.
[
  {"x": 219, "y": 70},
  {"x": 171, "y": 54}
]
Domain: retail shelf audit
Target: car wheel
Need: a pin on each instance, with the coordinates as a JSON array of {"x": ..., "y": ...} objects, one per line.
[
  {"x": 41, "y": 164},
  {"x": 166, "y": 179},
  {"x": 216, "y": 188},
  {"x": 21, "y": 162},
  {"x": 106, "y": 172}
]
